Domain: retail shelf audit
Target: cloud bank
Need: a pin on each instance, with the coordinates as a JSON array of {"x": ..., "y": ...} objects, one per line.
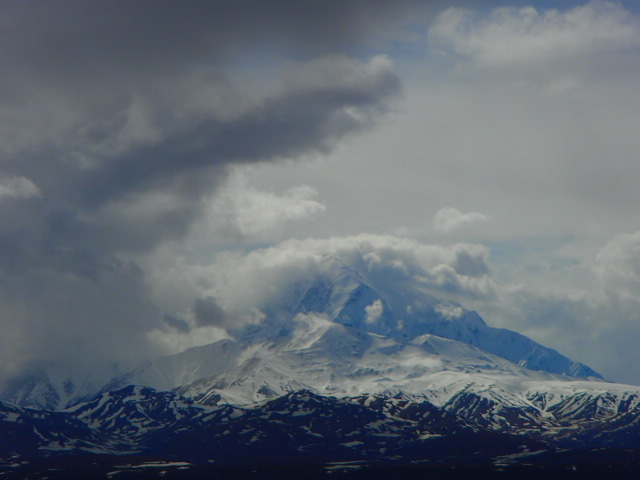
[{"x": 261, "y": 277}]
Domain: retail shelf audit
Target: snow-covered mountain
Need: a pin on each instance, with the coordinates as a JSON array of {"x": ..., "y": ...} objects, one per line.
[
  {"x": 343, "y": 294},
  {"x": 339, "y": 370},
  {"x": 332, "y": 359},
  {"x": 336, "y": 334}
]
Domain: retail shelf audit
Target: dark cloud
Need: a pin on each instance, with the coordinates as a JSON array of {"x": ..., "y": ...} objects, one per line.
[
  {"x": 146, "y": 35},
  {"x": 466, "y": 263},
  {"x": 208, "y": 313},
  {"x": 122, "y": 116}
]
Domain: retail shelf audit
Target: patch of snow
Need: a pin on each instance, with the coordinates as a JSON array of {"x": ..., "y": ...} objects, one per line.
[{"x": 352, "y": 444}]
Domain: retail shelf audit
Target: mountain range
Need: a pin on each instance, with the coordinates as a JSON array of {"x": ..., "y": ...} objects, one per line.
[{"x": 341, "y": 373}]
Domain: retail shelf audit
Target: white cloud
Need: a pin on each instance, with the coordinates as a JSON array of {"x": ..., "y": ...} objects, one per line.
[
  {"x": 526, "y": 36},
  {"x": 449, "y": 310},
  {"x": 261, "y": 277},
  {"x": 374, "y": 311},
  {"x": 169, "y": 342},
  {"x": 18, "y": 187},
  {"x": 238, "y": 208},
  {"x": 258, "y": 211},
  {"x": 450, "y": 219},
  {"x": 617, "y": 266}
]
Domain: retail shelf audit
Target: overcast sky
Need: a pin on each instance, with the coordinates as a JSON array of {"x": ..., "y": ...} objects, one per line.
[{"x": 165, "y": 164}]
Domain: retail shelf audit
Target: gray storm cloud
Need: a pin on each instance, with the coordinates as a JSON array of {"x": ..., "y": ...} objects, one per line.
[
  {"x": 207, "y": 312},
  {"x": 116, "y": 119}
]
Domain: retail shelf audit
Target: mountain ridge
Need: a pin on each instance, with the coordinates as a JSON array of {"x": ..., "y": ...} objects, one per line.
[{"x": 477, "y": 425}]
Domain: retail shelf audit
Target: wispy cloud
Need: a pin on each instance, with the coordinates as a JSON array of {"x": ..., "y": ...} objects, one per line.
[
  {"x": 18, "y": 187},
  {"x": 450, "y": 219}
]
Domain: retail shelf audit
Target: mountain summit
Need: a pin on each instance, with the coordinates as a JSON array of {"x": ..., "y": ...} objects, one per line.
[{"x": 346, "y": 298}]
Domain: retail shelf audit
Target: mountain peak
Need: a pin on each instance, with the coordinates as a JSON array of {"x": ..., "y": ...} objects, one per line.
[{"x": 345, "y": 296}]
